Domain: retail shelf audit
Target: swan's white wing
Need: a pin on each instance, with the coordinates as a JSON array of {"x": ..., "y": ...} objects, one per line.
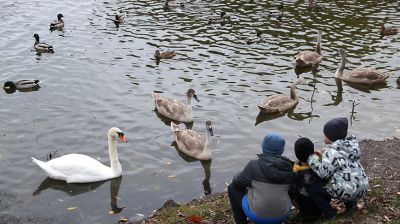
[{"x": 76, "y": 168}]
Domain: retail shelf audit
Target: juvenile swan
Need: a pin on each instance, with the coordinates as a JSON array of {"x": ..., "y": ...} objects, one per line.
[
  {"x": 191, "y": 143},
  {"x": 78, "y": 168},
  {"x": 174, "y": 109},
  {"x": 367, "y": 76},
  {"x": 279, "y": 102},
  {"x": 310, "y": 58}
]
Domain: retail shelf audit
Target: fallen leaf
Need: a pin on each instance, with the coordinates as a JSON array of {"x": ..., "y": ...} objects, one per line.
[
  {"x": 72, "y": 208},
  {"x": 60, "y": 200},
  {"x": 194, "y": 218}
]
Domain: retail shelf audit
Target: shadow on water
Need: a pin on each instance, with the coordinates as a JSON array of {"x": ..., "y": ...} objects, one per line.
[
  {"x": 206, "y": 167},
  {"x": 167, "y": 121},
  {"x": 76, "y": 189}
]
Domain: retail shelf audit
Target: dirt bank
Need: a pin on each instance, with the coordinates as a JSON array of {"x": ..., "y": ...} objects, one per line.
[{"x": 382, "y": 204}]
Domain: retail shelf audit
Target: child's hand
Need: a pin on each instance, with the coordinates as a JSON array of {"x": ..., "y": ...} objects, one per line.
[{"x": 318, "y": 153}]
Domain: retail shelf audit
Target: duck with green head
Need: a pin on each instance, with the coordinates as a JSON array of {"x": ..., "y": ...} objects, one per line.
[
  {"x": 58, "y": 24},
  {"x": 255, "y": 39},
  {"x": 23, "y": 85},
  {"x": 222, "y": 18},
  {"x": 42, "y": 47}
]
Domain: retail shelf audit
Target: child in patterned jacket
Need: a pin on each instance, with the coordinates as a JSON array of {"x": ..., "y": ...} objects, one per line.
[{"x": 340, "y": 165}]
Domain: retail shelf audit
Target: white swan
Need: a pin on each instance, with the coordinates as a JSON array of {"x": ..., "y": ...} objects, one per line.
[
  {"x": 78, "y": 168},
  {"x": 174, "y": 109},
  {"x": 193, "y": 144}
]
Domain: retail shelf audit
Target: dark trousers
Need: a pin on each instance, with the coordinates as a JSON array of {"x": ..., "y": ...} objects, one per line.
[
  {"x": 235, "y": 198},
  {"x": 321, "y": 198}
]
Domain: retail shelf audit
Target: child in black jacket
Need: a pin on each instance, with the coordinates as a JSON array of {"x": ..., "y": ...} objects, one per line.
[{"x": 306, "y": 184}]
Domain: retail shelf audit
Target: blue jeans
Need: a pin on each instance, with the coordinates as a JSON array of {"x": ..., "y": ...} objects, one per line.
[{"x": 261, "y": 220}]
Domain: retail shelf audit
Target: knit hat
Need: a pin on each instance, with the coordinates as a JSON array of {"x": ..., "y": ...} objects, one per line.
[
  {"x": 336, "y": 129},
  {"x": 303, "y": 148},
  {"x": 273, "y": 143}
]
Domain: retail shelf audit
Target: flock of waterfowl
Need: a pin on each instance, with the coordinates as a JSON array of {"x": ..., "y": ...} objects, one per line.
[{"x": 78, "y": 168}]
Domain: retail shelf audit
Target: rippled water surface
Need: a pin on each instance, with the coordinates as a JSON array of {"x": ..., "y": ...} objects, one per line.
[{"x": 101, "y": 76}]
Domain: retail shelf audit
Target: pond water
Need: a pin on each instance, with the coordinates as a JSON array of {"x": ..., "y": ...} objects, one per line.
[{"x": 102, "y": 76}]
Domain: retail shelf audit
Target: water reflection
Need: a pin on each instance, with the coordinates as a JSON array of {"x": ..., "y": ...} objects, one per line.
[
  {"x": 205, "y": 164},
  {"x": 167, "y": 121},
  {"x": 338, "y": 98},
  {"x": 69, "y": 189},
  {"x": 76, "y": 189}
]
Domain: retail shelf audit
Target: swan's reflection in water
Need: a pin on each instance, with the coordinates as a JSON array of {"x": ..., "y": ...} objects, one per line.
[
  {"x": 205, "y": 164},
  {"x": 167, "y": 121},
  {"x": 76, "y": 189}
]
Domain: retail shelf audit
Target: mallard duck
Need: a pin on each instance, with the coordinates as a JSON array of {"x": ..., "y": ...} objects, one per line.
[
  {"x": 366, "y": 76},
  {"x": 173, "y": 109},
  {"x": 118, "y": 19},
  {"x": 58, "y": 24},
  {"x": 278, "y": 13},
  {"x": 173, "y": 4},
  {"x": 385, "y": 31},
  {"x": 310, "y": 58},
  {"x": 313, "y": 5},
  {"x": 255, "y": 39},
  {"x": 279, "y": 103},
  {"x": 222, "y": 18},
  {"x": 21, "y": 84},
  {"x": 42, "y": 47},
  {"x": 193, "y": 144},
  {"x": 78, "y": 168},
  {"x": 164, "y": 55}
]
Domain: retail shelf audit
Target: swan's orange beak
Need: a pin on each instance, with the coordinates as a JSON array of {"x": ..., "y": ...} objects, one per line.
[{"x": 122, "y": 138}]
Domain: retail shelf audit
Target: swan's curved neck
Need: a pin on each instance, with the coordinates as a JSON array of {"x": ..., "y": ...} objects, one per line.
[
  {"x": 207, "y": 149},
  {"x": 318, "y": 47},
  {"x": 340, "y": 70},
  {"x": 189, "y": 105},
  {"x": 293, "y": 95},
  {"x": 112, "y": 150}
]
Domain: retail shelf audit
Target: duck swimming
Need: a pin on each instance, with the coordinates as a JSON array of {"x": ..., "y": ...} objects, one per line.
[
  {"x": 313, "y": 5},
  {"x": 21, "y": 85},
  {"x": 173, "y": 4},
  {"x": 386, "y": 31},
  {"x": 42, "y": 47},
  {"x": 278, "y": 13},
  {"x": 255, "y": 39},
  {"x": 164, "y": 55},
  {"x": 310, "y": 58},
  {"x": 193, "y": 144},
  {"x": 118, "y": 19},
  {"x": 78, "y": 168},
  {"x": 173, "y": 109},
  {"x": 219, "y": 19},
  {"x": 58, "y": 24},
  {"x": 279, "y": 103},
  {"x": 367, "y": 76}
]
